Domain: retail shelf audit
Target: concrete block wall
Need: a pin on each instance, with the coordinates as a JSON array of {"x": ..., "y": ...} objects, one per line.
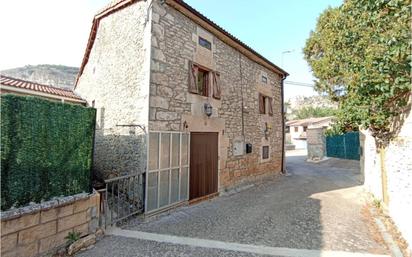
[{"x": 40, "y": 229}]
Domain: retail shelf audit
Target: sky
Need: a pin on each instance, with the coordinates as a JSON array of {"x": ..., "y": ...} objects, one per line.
[{"x": 56, "y": 31}]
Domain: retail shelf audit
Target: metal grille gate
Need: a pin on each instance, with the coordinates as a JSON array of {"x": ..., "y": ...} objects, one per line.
[{"x": 121, "y": 198}]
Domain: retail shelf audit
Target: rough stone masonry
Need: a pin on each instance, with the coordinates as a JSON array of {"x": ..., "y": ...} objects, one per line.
[{"x": 138, "y": 72}]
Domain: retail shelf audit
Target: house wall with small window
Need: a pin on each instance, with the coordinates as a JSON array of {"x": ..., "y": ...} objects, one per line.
[{"x": 191, "y": 68}]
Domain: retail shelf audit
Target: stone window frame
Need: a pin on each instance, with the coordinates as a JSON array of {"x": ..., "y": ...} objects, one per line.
[
  {"x": 212, "y": 88},
  {"x": 264, "y": 79},
  {"x": 204, "y": 43},
  {"x": 261, "y": 153},
  {"x": 265, "y": 104}
]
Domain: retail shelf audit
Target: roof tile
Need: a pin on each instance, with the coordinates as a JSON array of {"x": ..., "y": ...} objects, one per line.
[{"x": 19, "y": 83}]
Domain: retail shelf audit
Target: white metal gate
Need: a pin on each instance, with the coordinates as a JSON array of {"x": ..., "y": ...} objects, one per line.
[{"x": 167, "y": 179}]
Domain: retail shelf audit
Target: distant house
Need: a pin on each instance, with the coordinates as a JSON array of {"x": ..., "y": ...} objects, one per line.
[
  {"x": 23, "y": 87},
  {"x": 296, "y": 129}
]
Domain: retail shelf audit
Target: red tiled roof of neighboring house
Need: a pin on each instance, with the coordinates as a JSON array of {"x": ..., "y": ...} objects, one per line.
[
  {"x": 17, "y": 84},
  {"x": 308, "y": 121},
  {"x": 116, "y": 5}
]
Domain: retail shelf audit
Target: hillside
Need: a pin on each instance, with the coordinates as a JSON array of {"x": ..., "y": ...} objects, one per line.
[
  {"x": 319, "y": 106},
  {"x": 54, "y": 75}
]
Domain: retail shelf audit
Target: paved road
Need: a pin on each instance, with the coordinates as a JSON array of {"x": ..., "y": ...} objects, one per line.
[{"x": 319, "y": 207}]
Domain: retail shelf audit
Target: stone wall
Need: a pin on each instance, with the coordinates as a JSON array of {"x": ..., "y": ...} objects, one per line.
[
  {"x": 42, "y": 228},
  {"x": 396, "y": 181},
  {"x": 174, "y": 44},
  {"x": 316, "y": 144},
  {"x": 116, "y": 81}
]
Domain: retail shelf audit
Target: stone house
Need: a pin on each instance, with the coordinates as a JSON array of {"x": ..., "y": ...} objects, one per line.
[
  {"x": 180, "y": 99},
  {"x": 296, "y": 130}
]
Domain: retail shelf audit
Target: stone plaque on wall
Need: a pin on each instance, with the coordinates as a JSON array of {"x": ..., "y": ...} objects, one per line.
[{"x": 238, "y": 147}]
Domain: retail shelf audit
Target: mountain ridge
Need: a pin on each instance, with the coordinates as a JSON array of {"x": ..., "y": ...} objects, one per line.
[{"x": 60, "y": 76}]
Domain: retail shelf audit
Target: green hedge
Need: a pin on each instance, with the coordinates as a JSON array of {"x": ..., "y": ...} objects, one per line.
[{"x": 46, "y": 149}]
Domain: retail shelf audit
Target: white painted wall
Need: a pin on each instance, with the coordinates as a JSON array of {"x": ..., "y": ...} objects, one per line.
[{"x": 398, "y": 167}]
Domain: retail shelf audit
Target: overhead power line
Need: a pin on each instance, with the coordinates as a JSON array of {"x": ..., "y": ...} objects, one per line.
[{"x": 302, "y": 84}]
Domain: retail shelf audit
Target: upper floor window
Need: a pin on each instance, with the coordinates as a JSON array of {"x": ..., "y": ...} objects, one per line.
[
  {"x": 203, "y": 81},
  {"x": 305, "y": 129},
  {"x": 296, "y": 129},
  {"x": 205, "y": 43},
  {"x": 264, "y": 79},
  {"x": 265, "y": 105}
]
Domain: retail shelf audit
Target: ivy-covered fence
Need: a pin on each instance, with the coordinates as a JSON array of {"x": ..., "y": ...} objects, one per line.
[{"x": 46, "y": 149}]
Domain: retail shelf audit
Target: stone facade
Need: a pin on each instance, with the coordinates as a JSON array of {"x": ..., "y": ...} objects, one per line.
[
  {"x": 138, "y": 72},
  {"x": 115, "y": 80},
  {"x": 393, "y": 186},
  {"x": 40, "y": 229},
  {"x": 174, "y": 44}
]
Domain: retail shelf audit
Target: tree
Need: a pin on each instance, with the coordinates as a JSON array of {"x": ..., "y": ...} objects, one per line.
[
  {"x": 313, "y": 112},
  {"x": 360, "y": 54}
]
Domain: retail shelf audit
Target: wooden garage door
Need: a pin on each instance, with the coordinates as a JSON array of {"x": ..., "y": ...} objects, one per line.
[{"x": 203, "y": 164}]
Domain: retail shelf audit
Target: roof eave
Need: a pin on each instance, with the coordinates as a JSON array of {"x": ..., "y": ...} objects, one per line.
[{"x": 223, "y": 35}]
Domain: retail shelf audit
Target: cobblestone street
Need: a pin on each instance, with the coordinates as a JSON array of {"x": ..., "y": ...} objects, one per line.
[{"x": 316, "y": 211}]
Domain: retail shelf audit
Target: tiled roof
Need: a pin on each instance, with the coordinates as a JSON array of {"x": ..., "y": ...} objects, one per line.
[
  {"x": 308, "y": 121},
  {"x": 36, "y": 87},
  {"x": 116, "y": 5}
]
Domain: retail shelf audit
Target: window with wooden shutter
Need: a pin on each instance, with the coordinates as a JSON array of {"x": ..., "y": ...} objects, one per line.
[
  {"x": 200, "y": 80},
  {"x": 270, "y": 107},
  {"x": 216, "y": 85},
  {"x": 261, "y": 104},
  {"x": 193, "y": 71}
]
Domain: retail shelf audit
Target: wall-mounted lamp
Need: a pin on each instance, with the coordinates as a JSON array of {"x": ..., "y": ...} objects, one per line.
[{"x": 208, "y": 109}]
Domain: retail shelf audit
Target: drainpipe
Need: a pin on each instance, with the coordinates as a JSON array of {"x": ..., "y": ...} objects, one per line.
[{"x": 283, "y": 166}]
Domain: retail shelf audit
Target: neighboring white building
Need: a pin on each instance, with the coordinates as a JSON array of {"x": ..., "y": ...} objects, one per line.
[
  {"x": 296, "y": 129},
  {"x": 392, "y": 183}
]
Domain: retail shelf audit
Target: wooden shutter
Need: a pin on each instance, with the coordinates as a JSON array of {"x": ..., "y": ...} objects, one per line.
[
  {"x": 193, "y": 78},
  {"x": 261, "y": 104},
  {"x": 270, "y": 100},
  {"x": 216, "y": 85}
]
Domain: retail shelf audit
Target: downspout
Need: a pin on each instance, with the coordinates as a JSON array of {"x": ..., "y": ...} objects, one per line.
[{"x": 283, "y": 165}]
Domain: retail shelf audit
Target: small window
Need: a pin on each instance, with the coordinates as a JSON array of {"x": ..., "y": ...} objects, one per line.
[
  {"x": 264, "y": 79},
  {"x": 287, "y": 130},
  {"x": 296, "y": 129},
  {"x": 305, "y": 128},
  {"x": 265, "y": 152},
  {"x": 205, "y": 43}
]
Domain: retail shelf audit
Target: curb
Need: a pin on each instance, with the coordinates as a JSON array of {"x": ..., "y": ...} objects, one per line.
[{"x": 393, "y": 247}]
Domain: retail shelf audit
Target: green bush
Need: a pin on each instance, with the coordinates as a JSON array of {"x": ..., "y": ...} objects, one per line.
[{"x": 46, "y": 149}]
